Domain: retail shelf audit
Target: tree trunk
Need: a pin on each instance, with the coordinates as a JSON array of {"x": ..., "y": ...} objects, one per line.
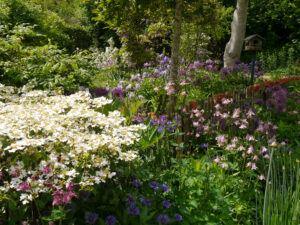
[
  {"x": 234, "y": 47},
  {"x": 175, "y": 55}
]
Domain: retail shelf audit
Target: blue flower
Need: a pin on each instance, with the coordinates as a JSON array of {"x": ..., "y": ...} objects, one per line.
[
  {"x": 133, "y": 210},
  {"x": 204, "y": 145},
  {"x": 136, "y": 183},
  {"x": 91, "y": 217},
  {"x": 145, "y": 201},
  {"x": 166, "y": 204},
  {"x": 165, "y": 188},
  {"x": 130, "y": 200},
  {"x": 160, "y": 129},
  {"x": 110, "y": 220},
  {"x": 154, "y": 185},
  {"x": 178, "y": 217},
  {"x": 163, "y": 218}
]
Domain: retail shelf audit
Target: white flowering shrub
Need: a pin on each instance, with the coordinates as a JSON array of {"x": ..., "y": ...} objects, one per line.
[{"x": 50, "y": 143}]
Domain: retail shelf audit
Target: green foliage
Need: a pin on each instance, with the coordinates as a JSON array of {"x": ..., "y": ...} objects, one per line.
[{"x": 44, "y": 67}]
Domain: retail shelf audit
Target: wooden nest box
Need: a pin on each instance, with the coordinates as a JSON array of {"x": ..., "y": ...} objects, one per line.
[{"x": 253, "y": 43}]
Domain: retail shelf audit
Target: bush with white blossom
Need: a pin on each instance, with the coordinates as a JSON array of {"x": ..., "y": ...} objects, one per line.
[{"x": 51, "y": 143}]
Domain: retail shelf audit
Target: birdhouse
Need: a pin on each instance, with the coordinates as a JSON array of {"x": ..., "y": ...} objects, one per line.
[{"x": 253, "y": 43}]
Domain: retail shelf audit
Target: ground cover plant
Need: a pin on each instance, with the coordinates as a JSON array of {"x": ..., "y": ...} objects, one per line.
[{"x": 105, "y": 118}]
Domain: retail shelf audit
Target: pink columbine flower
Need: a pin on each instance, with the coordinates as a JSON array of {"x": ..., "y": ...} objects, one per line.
[
  {"x": 221, "y": 140},
  {"x": 250, "y": 150},
  {"x": 183, "y": 93},
  {"x": 236, "y": 113},
  {"x": 261, "y": 177},
  {"x": 241, "y": 148},
  {"x": 217, "y": 160},
  {"x": 234, "y": 140},
  {"x": 24, "y": 186},
  {"x": 264, "y": 149},
  {"x": 254, "y": 167},
  {"x": 156, "y": 89},
  {"x": 266, "y": 156},
  {"x": 255, "y": 157},
  {"x": 249, "y": 164},
  {"x": 224, "y": 165},
  {"x": 250, "y": 138},
  {"x": 195, "y": 124},
  {"x": 250, "y": 113},
  {"x": 243, "y": 155},
  {"x": 197, "y": 135},
  {"x": 243, "y": 126},
  {"x": 226, "y": 101}
]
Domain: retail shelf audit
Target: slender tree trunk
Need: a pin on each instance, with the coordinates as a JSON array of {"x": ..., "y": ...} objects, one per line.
[
  {"x": 234, "y": 47},
  {"x": 174, "y": 56}
]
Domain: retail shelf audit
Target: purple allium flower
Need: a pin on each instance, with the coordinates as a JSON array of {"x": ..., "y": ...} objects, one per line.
[
  {"x": 166, "y": 204},
  {"x": 91, "y": 217},
  {"x": 154, "y": 185},
  {"x": 207, "y": 77},
  {"x": 110, "y": 220},
  {"x": 178, "y": 217},
  {"x": 100, "y": 91},
  {"x": 132, "y": 210},
  {"x": 145, "y": 201},
  {"x": 118, "y": 93},
  {"x": 165, "y": 188},
  {"x": 163, "y": 218},
  {"x": 136, "y": 183}
]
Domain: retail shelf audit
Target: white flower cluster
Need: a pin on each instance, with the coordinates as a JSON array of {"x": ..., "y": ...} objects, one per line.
[{"x": 48, "y": 142}]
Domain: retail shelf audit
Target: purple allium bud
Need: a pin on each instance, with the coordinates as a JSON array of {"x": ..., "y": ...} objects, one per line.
[
  {"x": 118, "y": 93},
  {"x": 91, "y": 217},
  {"x": 110, "y": 220},
  {"x": 178, "y": 217},
  {"x": 100, "y": 91},
  {"x": 163, "y": 218}
]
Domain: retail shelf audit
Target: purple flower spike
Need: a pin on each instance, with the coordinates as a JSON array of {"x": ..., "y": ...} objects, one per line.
[
  {"x": 110, "y": 220},
  {"x": 163, "y": 218},
  {"x": 91, "y": 217}
]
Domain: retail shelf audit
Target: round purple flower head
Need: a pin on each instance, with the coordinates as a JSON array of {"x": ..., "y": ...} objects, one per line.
[
  {"x": 166, "y": 204},
  {"x": 91, "y": 217},
  {"x": 154, "y": 185},
  {"x": 178, "y": 217},
  {"x": 110, "y": 220},
  {"x": 163, "y": 218},
  {"x": 100, "y": 91},
  {"x": 165, "y": 188},
  {"x": 118, "y": 93}
]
